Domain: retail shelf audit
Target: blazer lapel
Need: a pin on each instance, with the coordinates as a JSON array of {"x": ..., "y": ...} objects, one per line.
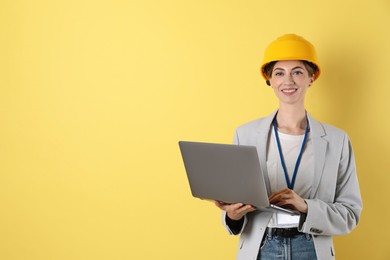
[
  {"x": 262, "y": 142},
  {"x": 320, "y": 145}
]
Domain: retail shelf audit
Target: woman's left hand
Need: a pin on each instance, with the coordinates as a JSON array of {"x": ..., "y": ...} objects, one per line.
[{"x": 288, "y": 198}]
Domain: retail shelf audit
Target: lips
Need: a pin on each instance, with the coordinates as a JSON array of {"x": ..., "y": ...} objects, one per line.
[{"x": 289, "y": 90}]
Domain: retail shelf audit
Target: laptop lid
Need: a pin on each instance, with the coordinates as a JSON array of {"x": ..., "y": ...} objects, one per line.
[{"x": 227, "y": 173}]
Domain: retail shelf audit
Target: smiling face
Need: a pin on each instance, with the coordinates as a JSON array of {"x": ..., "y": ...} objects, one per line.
[{"x": 290, "y": 80}]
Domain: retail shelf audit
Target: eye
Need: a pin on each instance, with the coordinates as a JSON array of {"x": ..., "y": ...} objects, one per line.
[
  {"x": 278, "y": 73},
  {"x": 297, "y": 72}
]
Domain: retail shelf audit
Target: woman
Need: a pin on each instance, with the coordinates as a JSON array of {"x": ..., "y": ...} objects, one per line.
[{"x": 308, "y": 166}]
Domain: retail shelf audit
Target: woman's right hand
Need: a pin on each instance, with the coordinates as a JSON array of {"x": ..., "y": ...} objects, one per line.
[{"x": 235, "y": 211}]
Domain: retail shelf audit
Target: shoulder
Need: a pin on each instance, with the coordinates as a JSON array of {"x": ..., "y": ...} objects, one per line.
[
  {"x": 257, "y": 124},
  {"x": 324, "y": 129},
  {"x": 332, "y": 130},
  {"x": 252, "y": 132},
  {"x": 254, "y": 124}
]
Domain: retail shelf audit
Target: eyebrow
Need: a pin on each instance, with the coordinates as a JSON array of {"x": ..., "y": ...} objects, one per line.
[{"x": 297, "y": 67}]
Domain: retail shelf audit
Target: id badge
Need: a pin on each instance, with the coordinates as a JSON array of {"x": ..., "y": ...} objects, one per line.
[{"x": 287, "y": 220}]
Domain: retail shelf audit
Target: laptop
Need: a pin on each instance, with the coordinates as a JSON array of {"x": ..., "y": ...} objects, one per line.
[{"x": 227, "y": 173}]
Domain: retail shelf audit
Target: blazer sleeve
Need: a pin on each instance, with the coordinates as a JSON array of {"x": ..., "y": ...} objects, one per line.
[
  {"x": 341, "y": 215},
  {"x": 233, "y": 230}
]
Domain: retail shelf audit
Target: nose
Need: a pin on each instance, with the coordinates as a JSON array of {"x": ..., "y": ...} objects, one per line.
[{"x": 289, "y": 79}]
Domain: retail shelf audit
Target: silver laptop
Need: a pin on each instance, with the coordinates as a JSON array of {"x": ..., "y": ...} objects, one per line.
[{"x": 226, "y": 173}]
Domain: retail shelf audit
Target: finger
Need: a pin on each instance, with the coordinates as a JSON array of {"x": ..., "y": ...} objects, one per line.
[
  {"x": 218, "y": 204},
  {"x": 250, "y": 209},
  {"x": 291, "y": 202},
  {"x": 240, "y": 212},
  {"x": 272, "y": 197},
  {"x": 278, "y": 193},
  {"x": 245, "y": 209},
  {"x": 240, "y": 206},
  {"x": 275, "y": 199},
  {"x": 230, "y": 207}
]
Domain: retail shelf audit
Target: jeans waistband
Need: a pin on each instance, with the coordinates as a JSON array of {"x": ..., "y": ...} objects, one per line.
[{"x": 284, "y": 232}]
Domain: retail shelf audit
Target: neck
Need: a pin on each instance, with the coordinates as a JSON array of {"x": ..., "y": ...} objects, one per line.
[{"x": 292, "y": 120}]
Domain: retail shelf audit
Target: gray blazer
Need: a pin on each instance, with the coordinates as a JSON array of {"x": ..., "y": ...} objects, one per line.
[{"x": 334, "y": 205}]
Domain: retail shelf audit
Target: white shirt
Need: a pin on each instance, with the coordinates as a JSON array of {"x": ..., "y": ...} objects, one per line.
[{"x": 291, "y": 146}]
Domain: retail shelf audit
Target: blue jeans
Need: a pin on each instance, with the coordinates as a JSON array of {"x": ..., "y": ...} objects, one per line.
[{"x": 300, "y": 247}]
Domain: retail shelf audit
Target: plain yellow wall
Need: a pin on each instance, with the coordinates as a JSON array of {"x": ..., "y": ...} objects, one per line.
[{"x": 94, "y": 96}]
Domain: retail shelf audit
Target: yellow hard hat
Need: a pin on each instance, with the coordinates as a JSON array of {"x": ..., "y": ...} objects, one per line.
[{"x": 290, "y": 47}]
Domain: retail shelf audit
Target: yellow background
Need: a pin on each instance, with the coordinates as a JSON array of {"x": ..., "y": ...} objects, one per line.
[{"x": 94, "y": 96}]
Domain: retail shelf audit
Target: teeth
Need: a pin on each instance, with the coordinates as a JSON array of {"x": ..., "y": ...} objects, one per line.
[{"x": 289, "y": 90}]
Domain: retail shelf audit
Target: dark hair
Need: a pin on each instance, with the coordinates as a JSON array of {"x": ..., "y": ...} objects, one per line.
[
  {"x": 311, "y": 68},
  {"x": 268, "y": 69}
]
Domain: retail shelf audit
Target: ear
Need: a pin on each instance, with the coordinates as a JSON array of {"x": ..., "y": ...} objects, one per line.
[
  {"x": 267, "y": 82},
  {"x": 311, "y": 81}
]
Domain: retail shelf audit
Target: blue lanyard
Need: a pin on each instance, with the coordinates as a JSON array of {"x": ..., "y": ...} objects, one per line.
[{"x": 291, "y": 184}]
